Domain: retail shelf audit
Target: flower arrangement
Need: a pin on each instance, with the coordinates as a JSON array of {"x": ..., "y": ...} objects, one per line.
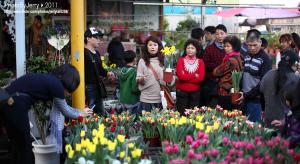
[
  {"x": 236, "y": 78},
  {"x": 106, "y": 65},
  {"x": 169, "y": 56}
]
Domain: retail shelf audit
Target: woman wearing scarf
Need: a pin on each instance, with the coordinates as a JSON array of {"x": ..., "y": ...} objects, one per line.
[{"x": 231, "y": 62}]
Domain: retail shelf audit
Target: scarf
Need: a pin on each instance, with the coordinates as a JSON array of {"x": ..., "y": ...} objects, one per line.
[
  {"x": 57, "y": 125},
  {"x": 219, "y": 45},
  {"x": 231, "y": 54}
]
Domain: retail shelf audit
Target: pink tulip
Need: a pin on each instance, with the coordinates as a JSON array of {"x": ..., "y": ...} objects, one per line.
[
  {"x": 195, "y": 144},
  {"x": 291, "y": 152},
  {"x": 286, "y": 143},
  {"x": 200, "y": 134},
  {"x": 259, "y": 161},
  {"x": 214, "y": 152},
  {"x": 191, "y": 153},
  {"x": 270, "y": 143},
  {"x": 175, "y": 148},
  {"x": 198, "y": 156},
  {"x": 226, "y": 141},
  {"x": 166, "y": 143},
  {"x": 176, "y": 161},
  {"x": 205, "y": 136},
  {"x": 231, "y": 152},
  {"x": 280, "y": 157},
  {"x": 256, "y": 154},
  {"x": 250, "y": 159},
  {"x": 249, "y": 146},
  {"x": 240, "y": 153},
  {"x": 169, "y": 149},
  {"x": 212, "y": 162},
  {"x": 189, "y": 139},
  {"x": 228, "y": 158},
  {"x": 205, "y": 141}
]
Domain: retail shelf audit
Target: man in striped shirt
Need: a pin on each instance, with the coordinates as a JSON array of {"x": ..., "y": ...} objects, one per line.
[{"x": 257, "y": 64}]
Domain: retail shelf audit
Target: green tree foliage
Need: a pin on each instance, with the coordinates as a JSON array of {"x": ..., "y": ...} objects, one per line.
[{"x": 187, "y": 25}]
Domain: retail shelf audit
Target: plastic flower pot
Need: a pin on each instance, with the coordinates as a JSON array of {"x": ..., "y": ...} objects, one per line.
[
  {"x": 234, "y": 97},
  {"x": 168, "y": 75}
]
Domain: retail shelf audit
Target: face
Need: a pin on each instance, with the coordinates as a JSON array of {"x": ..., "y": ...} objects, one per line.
[
  {"x": 191, "y": 50},
  {"x": 95, "y": 41},
  {"x": 285, "y": 44},
  {"x": 254, "y": 46},
  {"x": 209, "y": 36},
  {"x": 220, "y": 35},
  {"x": 152, "y": 48},
  {"x": 228, "y": 47}
]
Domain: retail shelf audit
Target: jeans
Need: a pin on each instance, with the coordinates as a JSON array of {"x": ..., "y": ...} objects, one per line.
[
  {"x": 93, "y": 98},
  {"x": 254, "y": 111},
  {"x": 148, "y": 107}
]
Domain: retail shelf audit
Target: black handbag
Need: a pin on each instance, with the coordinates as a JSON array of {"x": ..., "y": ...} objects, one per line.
[{"x": 100, "y": 84}]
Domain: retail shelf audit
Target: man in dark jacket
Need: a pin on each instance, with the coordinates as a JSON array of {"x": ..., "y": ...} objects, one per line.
[{"x": 257, "y": 64}]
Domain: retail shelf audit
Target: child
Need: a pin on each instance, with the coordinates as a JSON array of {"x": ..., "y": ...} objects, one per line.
[{"x": 129, "y": 91}]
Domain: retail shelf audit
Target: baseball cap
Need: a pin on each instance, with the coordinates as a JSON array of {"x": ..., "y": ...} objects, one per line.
[{"x": 92, "y": 32}]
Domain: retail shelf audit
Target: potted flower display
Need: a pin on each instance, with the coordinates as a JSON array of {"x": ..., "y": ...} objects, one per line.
[
  {"x": 169, "y": 58},
  {"x": 235, "y": 91}
]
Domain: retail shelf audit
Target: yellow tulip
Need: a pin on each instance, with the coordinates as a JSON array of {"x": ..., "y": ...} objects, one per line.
[
  {"x": 95, "y": 140},
  {"x": 92, "y": 148},
  {"x": 199, "y": 126},
  {"x": 122, "y": 154},
  {"x": 83, "y": 152},
  {"x": 208, "y": 129},
  {"x": 68, "y": 147},
  {"x": 136, "y": 153},
  {"x": 172, "y": 121},
  {"x": 216, "y": 126},
  {"x": 128, "y": 159},
  {"x": 131, "y": 145},
  {"x": 103, "y": 141},
  {"x": 121, "y": 138},
  {"x": 71, "y": 154},
  {"x": 78, "y": 147},
  {"x": 94, "y": 132},
  {"x": 200, "y": 118},
  {"x": 82, "y": 133},
  {"x": 111, "y": 145},
  {"x": 182, "y": 120}
]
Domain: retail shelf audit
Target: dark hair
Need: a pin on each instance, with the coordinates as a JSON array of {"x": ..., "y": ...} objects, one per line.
[
  {"x": 221, "y": 27},
  {"x": 296, "y": 39},
  {"x": 129, "y": 56},
  {"x": 285, "y": 67},
  {"x": 253, "y": 35},
  {"x": 287, "y": 38},
  {"x": 68, "y": 75},
  {"x": 146, "y": 55},
  {"x": 264, "y": 43},
  {"x": 291, "y": 93},
  {"x": 196, "y": 44},
  {"x": 234, "y": 41},
  {"x": 210, "y": 29},
  {"x": 197, "y": 33},
  {"x": 38, "y": 17}
]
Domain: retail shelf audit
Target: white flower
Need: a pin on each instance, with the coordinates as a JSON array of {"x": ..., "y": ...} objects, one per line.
[
  {"x": 90, "y": 162},
  {"x": 116, "y": 161},
  {"x": 81, "y": 160},
  {"x": 145, "y": 161}
]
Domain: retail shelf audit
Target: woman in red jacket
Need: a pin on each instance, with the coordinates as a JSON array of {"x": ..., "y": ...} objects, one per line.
[{"x": 190, "y": 71}]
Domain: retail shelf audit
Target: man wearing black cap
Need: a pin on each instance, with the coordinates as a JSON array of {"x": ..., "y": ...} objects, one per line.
[{"x": 94, "y": 72}]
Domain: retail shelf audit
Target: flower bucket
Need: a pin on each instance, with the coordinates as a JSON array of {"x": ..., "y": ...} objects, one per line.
[
  {"x": 168, "y": 75},
  {"x": 45, "y": 154},
  {"x": 235, "y": 96},
  {"x": 153, "y": 141}
]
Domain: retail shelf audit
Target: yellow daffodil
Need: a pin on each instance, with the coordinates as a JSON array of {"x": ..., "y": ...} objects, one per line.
[
  {"x": 182, "y": 120},
  {"x": 136, "y": 153},
  {"x": 172, "y": 121},
  {"x": 121, "y": 138},
  {"x": 122, "y": 154},
  {"x": 71, "y": 154},
  {"x": 199, "y": 126},
  {"x": 166, "y": 50},
  {"x": 85, "y": 142},
  {"x": 199, "y": 118},
  {"x": 131, "y": 145},
  {"x": 172, "y": 49},
  {"x": 92, "y": 148},
  {"x": 82, "y": 133},
  {"x": 68, "y": 147},
  {"x": 78, "y": 147}
]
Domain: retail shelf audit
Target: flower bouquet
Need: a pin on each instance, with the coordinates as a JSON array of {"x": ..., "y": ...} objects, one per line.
[
  {"x": 169, "y": 58},
  {"x": 235, "y": 91}
]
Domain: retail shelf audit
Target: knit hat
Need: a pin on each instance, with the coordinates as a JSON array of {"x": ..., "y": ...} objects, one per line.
[{"x": 92, "y": 32}]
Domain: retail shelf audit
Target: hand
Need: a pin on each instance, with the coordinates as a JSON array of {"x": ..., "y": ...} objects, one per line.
[
  {"x": 141, "y": 80},
  {"x": 241, "y": 99},
  {"x": 277, "y": 123},
  {"x": 86, "y": 112}
]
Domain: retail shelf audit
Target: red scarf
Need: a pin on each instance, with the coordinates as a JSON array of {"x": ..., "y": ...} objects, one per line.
[
  {"x": 229, "y": 55},
  {"x": 190, "y": 59}
]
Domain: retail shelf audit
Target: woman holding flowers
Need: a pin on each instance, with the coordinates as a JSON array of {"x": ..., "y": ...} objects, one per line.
[
  {"x": 190, "y": 71},
  {"x": 150, "y": 74},
  {"x": 231, "y": 62}
]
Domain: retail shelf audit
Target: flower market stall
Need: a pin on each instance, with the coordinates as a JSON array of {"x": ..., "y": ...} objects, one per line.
[{"x": 203, "y": 135}]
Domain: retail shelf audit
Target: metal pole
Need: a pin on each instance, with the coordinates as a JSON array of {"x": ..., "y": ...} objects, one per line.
[{"x": 77, "y": 49}]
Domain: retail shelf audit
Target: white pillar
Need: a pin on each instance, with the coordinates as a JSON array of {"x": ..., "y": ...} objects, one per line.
[{"x": 20, "y": 38}]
